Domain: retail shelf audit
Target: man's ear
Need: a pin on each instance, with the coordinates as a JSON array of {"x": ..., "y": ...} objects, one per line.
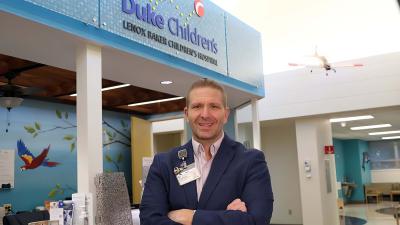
[
  {"x": 227, "y": 112},
  {"x": 185, "y": 111}
]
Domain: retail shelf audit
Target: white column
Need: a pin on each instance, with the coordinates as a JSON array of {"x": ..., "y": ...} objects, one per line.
[
  {"x": 256, "y": 124},
  {"x": 319, "y": 205},
  {"x": 89, "y": 119}
]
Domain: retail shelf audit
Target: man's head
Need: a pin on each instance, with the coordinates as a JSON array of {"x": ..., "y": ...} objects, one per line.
[{"x": 206, "y": 110}]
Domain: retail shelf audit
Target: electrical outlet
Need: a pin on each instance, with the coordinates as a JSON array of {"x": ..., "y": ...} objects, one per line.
[
  {"x": 7, "y": 208},
  {"x": 290, "y": 212}
]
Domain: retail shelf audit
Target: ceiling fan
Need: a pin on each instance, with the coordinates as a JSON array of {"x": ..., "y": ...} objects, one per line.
[
  {"x": 11, "y": 95},
  {"x": 321, "y": 62}
]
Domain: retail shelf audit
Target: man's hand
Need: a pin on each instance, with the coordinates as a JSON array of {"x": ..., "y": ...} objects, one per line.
[
  {"x": 182, "y": 216},
  {"x": 237, "y": 204}
]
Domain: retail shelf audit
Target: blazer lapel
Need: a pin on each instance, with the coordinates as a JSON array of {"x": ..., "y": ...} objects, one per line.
[
  {"x": 220, "y": 163},
  {"x": 190, "y": 188}
]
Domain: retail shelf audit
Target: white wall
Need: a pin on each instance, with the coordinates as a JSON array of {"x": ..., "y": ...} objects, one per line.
[
  {"x": 174, "y": 125},
  {"x": 278, "y": 141},
  {"x": 385, "y": 176},
  {"x": 299, "y": 93},
  {"x": 318, "y": 203}
]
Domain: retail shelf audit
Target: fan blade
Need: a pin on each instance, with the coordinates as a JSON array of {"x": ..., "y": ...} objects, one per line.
[
  {"x": 348, "y": 65},
  {"x": 31, "y": 90},
  {"x": 295, "y": 64},
  {"x": 10, "y": 88}
]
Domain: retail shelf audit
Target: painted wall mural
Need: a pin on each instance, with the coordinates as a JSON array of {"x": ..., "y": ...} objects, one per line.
[
  {"x": 32, "y": 162},
  {"x": 43, "y": 136}
]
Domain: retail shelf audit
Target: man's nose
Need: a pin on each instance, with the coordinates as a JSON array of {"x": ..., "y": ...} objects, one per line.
[{"x": 205, "y": 112}]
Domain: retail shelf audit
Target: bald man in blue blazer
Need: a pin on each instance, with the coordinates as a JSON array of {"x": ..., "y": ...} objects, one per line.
[{"x": 225, "y": 183}]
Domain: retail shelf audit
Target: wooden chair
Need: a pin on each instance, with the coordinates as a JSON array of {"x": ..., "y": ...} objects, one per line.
[{"x": 373, "y": 193}]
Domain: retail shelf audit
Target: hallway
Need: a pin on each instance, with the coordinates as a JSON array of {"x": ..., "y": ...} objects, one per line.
[{"x": 369, "y": 213}]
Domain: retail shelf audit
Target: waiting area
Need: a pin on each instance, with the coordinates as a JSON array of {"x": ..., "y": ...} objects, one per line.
[{"x": 378, "y": 191}]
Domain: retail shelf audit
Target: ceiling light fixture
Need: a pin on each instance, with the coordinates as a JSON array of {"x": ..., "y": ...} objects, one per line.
[
  {"x": 392, "y": 137},
  {"x": 345, "y": 119},
  {"x": 108, "y": 88},
  {"x": 10, "y": 102},
  {"x": 371, "y": 127},
  {"x": 166, "y": 82},
  {"x": 385, "y": 132},
  {"x": 156, "y": 101}
]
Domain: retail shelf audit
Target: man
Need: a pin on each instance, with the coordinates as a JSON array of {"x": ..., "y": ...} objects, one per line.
[{"x": 211, "y": 180}]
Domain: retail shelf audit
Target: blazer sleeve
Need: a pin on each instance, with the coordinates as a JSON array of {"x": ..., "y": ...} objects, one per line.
[
  {"x": 257, "y": 195},
  {"x": 154, "y": 206}
]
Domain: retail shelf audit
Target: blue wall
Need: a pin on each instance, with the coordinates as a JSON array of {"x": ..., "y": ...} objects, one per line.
[
  {"x": 349, "y": 161},
  {"x": 339, "y": 159},
  {"x": 38, "y": 125}
]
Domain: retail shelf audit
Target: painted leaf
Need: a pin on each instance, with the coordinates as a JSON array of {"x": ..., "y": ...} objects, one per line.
[
  {"x": 108, "y": 171},
  {"x": 66, "y": 115},
  {"x": 108, "y": 158},
  {"x": 120, "y": 158},
  {"x": 58, "y": 113},
  {"x": 35, "y": 135},
  {"x": 58, "y": 186},
  {"x": 109, "y": 134},
  {"x": 37, "y": 126},
  {"x": 52, "y": 193},
  {"x": 72, "y": 147},
  {"x": 68, "y": 137},
  {"x": 30, "y": 129}
]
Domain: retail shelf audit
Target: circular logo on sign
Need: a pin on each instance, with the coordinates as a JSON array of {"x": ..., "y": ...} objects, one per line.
[{"x": 199, "y": 7}]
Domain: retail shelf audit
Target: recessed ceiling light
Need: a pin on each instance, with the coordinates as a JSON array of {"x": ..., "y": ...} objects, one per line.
[
  {"x": 115, "y": 87},
  {"x": 371, "y": 127},
  {"x": 392, "y": 137},
  {"x": 109, "y": 88},
  {"x": 166, "y": 82},
  {"x": 385, "y": 132},
  {"x": 156, "y": 101},
  {"x": 345, "y": 119}
]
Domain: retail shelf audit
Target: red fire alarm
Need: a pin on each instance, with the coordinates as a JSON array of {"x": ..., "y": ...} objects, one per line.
[{"x": 329, "y": 149}]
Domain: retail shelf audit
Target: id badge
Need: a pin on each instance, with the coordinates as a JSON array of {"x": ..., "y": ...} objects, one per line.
[{"x": 189, "y": 174}]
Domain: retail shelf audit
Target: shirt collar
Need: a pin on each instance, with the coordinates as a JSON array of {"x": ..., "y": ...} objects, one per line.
[{"x": 198, "y": 148}]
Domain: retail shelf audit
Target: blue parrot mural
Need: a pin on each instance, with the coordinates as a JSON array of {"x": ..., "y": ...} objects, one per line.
[{"x": 32, "y": 162}]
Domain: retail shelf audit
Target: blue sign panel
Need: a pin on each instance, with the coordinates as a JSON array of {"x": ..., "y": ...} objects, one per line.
[
  {"x": 192, "y": 30},
  {"x": 86, "y": 11},
  {"x": 245, "y": 63},
  {"x": 195, "y": 31}
]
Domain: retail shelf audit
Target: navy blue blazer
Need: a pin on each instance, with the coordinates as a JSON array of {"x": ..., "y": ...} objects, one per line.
[{"x": 235, "y": 173}]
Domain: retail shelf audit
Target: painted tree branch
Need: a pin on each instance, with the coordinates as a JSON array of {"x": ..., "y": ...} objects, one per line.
[
  {"x": 116, "y": 141},
  {"x": 55, "y": 128},
  {"x": 118, "y": 131}
]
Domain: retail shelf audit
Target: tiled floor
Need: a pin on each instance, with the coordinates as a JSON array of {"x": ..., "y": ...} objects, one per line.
[{"x": 367, "y": 212}]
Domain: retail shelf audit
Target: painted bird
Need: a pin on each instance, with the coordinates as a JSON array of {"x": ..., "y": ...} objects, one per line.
[{"x": 32, "y": 162}]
